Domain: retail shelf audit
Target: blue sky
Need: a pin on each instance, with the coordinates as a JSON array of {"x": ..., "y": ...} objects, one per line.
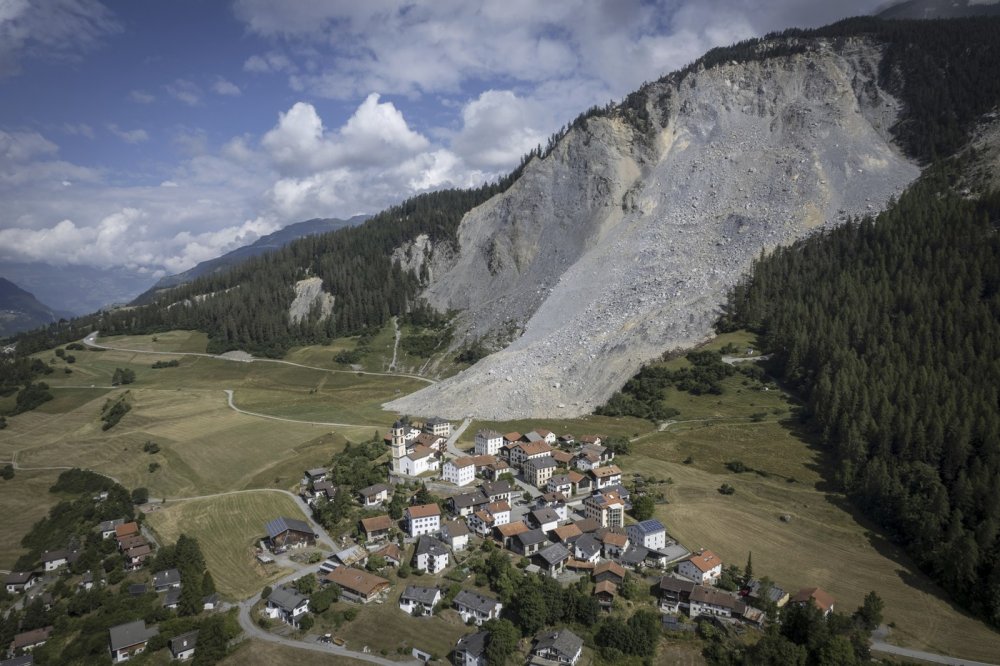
[{"x": 154, "y": 135}]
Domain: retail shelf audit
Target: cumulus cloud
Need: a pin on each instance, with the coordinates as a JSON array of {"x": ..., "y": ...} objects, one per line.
[
  {"x": 52, "y": 30},
  {"x": 128, "y": 136},
  {"x": 141, "y": 97},
  {"x": 269, "y": 63},
  {"x": 185, "y": 91},
  {"x": 496, "y": 130},
  {"x": 78, "y": 129},
  {"x": 224, "y": 87}
]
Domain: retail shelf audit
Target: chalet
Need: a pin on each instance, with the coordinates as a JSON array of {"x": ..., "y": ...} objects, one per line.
[
  {"x": 289, "y": 533},
  {"x": 606, "y": 476},
  {"x": 209, "y": 602},
  {"x": 419, "y": 601},
  {"x": 587, "y": 549},
  {"x": 552, "y": 559},
  {"x": 606, "y": 591},
  {"x": 537, "y": 471},
  {"x": 376, "y": 528},
  {"x": 564, "y": 458},
  {"x": 704, "y": 567},
  {"x": 135, "y": 557},
  {"x": 528, "y": 543},
  {"x": 460, "y": 471},
  {"x": 533, "y": 437},
  {"x": 505, "y": 533},
  {"x": 711, "y": 601},
  {"x": 431, "y": 555},
  {"x": 774, "y": 594},
  {"x": 287, "y": 605},
  {"x": 421, "y": 461},
  {"x": 19, "y": 581},
  {"x": 649, "y": 534},
  {"x": 107, "y": 528},
  {"x": 130, "y": 542},
  {"x": 560, "y": 483},
  {"x": 590, "y": 440},
  {"x": 524, "y": 451},
  {"x": 674, "y": 594},
  {"x": 609, "y": 571},
  {"x": 430, "y": 440},
  {"x": 497, "y": 491},
  {"x": 634, "y": 557},
  {"x": 467, "y": 503},
  {"x": 545, "y": 519},
  {"x": 606, "y": 508},
  {"x": 164, "y": 580},
  {"x": 55, "y": 559},
  {"x": 495, "y": 514},
  {"x": 27, "y": 641},
  {"x": 358, "y": 585},
  {"x": 567, "y": 534},
  {"x": 554, "y": 501},
  {"x": 477, "y": 607},
  {"x": 183, "y": 645},
  {"x": 547, "y": 436},
  {"x": 558, "y": 647},
  {"x": 422, "y": 519},
  {"x": 582, "y": 483},
  {"x": 324, "y": 490},
  {"x": 126, "y": 530},
  {"x": 512, "y": 438},
  {"x": 615, "y": 543},
  {"x": 471, "y": 649},
  {"x": 312, "y": 476},
  {"x": 375, "y": 495},
  {"x": 585, "y": 461},
  {"x": 129, "y": 639},
  {"x": 815, "y": 595},
  {"x": 438, "y": 427},
  {"x": 391, "y": 553},
  {"x": 565, "y": 440},
  {"x": 488, "y": 443},
  {"x": 454, "y": 534}
]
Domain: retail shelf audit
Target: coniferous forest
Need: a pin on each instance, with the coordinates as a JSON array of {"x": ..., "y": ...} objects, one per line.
[{"x": 890, "y": 330}]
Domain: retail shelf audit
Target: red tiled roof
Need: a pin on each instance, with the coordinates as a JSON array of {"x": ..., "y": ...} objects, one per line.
[
  {"x": 423, "y": 510},
  {"x": 705, "y": 561}
]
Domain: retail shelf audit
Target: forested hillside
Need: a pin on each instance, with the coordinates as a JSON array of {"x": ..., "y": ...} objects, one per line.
[{"x": 890, "y": 328}]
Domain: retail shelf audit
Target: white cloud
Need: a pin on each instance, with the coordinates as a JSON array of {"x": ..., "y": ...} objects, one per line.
[
  {"x": 78, "y": 129},
  {"x": 496, "y": 130},
  {"x": 224, "y": 87},
  {"x": 141, "y": 97},
  {"x": 185, "y": 91},
  {"x": 128, "y": 136},
  {"x": 269, "y": 63},
  {"x": 24, "y": 146}
]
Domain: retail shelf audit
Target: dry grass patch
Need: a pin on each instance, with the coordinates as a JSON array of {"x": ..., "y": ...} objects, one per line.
[
  {"x": 263, "y": 653},
  {"x": 171, "y": 341},
  {"x": 227, "y": 527},
  {"x": 25, "y": 500}
]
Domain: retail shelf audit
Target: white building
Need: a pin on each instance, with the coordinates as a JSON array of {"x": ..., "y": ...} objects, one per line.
[
  {"x": 431, "y": 556},
  {"x": 460, "y": 471},
  {"x": 422, "y": 519},
  {"x": 477, "y": 607},
  {"x": 649, "y": 534},
  {"x": 438, "y": 427},
  {"x": 286, "y": 605},
  {"x": 488, "y": 443},
  {"x": 54, "y": 559},
  {"x": 420, "y": 461},
  {"x": 704, "y": 568},
  {"x": 606, "y": 476},
  {"x": 417, "y": 600}
]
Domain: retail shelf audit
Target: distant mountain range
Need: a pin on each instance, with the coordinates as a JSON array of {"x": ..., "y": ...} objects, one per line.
[
  {"x": 21, "y": 311},
  {"x": 264, "y": 244}
]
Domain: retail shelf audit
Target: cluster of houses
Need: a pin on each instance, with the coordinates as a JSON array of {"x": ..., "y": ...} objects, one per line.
[{"x": 555, "y": 647}]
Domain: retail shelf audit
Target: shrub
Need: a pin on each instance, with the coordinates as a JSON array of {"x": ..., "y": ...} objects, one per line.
[{"x": 726, "y": 489}]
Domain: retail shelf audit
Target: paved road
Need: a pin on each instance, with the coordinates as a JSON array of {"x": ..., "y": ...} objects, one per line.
[
  {"x": 888, "y": 648},
  {"x": 451, "y": 445}
]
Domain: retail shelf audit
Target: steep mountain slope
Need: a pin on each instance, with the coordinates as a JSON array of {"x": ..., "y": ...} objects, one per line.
[
  {"x": 622, "y": 242},
  {"x": 77, "y": 290},
  {"x": 262, "y": 245},
  {"x": 20, "y": 310}
]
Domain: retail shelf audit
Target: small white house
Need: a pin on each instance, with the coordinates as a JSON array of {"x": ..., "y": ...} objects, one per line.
[
  {"x": 431, "y": 556},
  {"x": 649, "y": 534},
  {"x": 286, "y": 605},
  {"x": 422, "y": 519},
  {"x": 605, "y": 477},
  {"x": 420, "y": 461},
  {"x": 460, "y": 471},
  {"x": 488, "y": 443},
  {"x": 55, "y": 559},
  {"x": 704, "y": 568},
  {"x": 417, "y": 600},
  {"x": 182, "y": 646},
  {"x": 477, "y": 607}
]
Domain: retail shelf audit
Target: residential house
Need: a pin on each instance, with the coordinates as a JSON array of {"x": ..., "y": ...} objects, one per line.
[
  {"x": 532, "y": 437},
  {"x": 55, "y": 559},
  {"x": 438, "y": 427},
  {"x": 27, "y": 641},
  {"x": 468, "y": 503},
  {"x": 587, "y": 525},
  {"x": 471, "y": 649},
  {"x": 774, "y": 594},
  {"x": 512, "y": 438},
  {"x": 497, "y": 491},
  {"x": 545, "y": 519},
  {"x": 650, "y": 534},
  {"x": 289, "y": 533},
  {"x": 615, "y": 542},
  {"x": 528, "y": 543},
  {"x": 605, "y": 477},
  {"x": 422, "y": 519},
  {"x": 493, "y": 470},
  {"x": 505, "y": 533},
  {"x": 582, "y": 483},
  {"x": 634, "y": 557},
  {"x": 419, "y": 601},
  {"x": 477, "y": 607},
  {"x": 375, "y": 495},
  {"x": 524, "y": 451},
  {"x": 172, "y": 599},
  {"x": 315, "y": 475},
  {"x": 324, "y": 490},
  {"x": 606, "y": 508},
  {"x": 86, "y": 581},
  {"x": 547, "y": 436},
  {"x": 107, "y": 528},
  {"x": 352, "y": 556},
  {"x": 488, "y": 443},
  {"x": 183, "y": 645},
  {"x": 376, "y": 528},
  {"x": 564, "y": 458},
  {"x": 136, "y": 557},
  {"x": 421, "y": 461},
  {"x": 815, "y": 595},
  {"x": 495, "y": 514},
  {"x": 460, "y": 471},
  {"x": 287, "y": 605},
  {"x": 164, "y": 580},
  {"x": 429, "y": 440},
  {"x": 611, "y": 571},
  {"x": 558, "y": 647},
  {"x": 454, "y": 534},
  {"x": 126, "y": 530},
  {"x": 712, "y": 601},
  {"x": 391, "y": 553},
  {"x": 606, "y": 591},
  {"x": 129, "y": 639},
  {"x": 19, "y": 581},
  {"x": 704, "y": 567},
  {"x": 590, "y": 441},
  {"x": 674, "y": 594},
  {"x": 554, "y": 501},
  {"x": 567, "y": 534},
  {"x": 358, "y": 585},
  {"x": 430, "y": 555},
  {"x": 587, "y": 549},
  {"x": 552, "y": 559},
  {"x": 560, "y": 483},
  {"x": 537, "y": 471},
  {"x": 210, "y": 601}
]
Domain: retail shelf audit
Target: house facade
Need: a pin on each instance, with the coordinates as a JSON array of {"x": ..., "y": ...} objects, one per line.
[
  {"x": 422, "y": 519},
  {"x": 477, "y": 607},
  {"x": 289, "y": 533},
  {"x": 606, "y": 508},
  {"x": 488, "y": 443},
  {"x": 431, "y": 555},
  {"x": 649, "y": 534},
  {"x": 460, "y": 471},
  {"x": 419, "y": 601},
  {"x": 129, "y": 639},
  {"x": 704, "y": 567},
  {"x": 287, "y": 605}
]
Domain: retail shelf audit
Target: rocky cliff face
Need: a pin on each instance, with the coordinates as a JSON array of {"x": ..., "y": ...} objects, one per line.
[{"x": 621, "y": 243}]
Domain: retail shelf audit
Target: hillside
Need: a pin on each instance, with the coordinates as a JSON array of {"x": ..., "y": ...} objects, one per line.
[
  {"x": 20, "y": 310},
  {"x": 262, "y": 245}
]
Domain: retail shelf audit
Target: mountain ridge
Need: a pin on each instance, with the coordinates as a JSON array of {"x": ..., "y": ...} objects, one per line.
[{"x": 21, "y": 311}]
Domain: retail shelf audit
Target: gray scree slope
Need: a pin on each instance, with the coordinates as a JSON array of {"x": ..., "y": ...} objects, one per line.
[{"x": 621, "y": 245}]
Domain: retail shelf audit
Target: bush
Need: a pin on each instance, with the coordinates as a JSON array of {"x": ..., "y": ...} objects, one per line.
[
  {"x": 7, "y": 472},
  {"x": 122, "y": 376},
  {"x": 726, "y": 489},
  {"x": 31, "y": 396},
  {"x": 164, "y": 364},
  {"x": 348, "y": 357},
  {"x": 140, "y": 496},
  {"x": 266, "y": 592},
  {"x": 151, "y": 447},
  {"x": 113, "y": 412},
  {"x": 153, "y": 466},
  {"x": 737, "y": 466},
  {"x": 306, "y": 622}
]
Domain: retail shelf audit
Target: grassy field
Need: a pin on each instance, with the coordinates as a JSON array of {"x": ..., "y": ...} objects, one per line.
[
  {"x": 25, "y": 500},
  {"x": 171, "y": 341},
  {"x": 227, "y": 527},
  {"x": 262, "y": 653}
]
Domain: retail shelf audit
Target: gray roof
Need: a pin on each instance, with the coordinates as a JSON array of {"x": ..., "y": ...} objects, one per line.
[
  {"x": 109, "y": 525},
  {"x": 588, "y": 545},
  {"x": 168, "y": 577},
  {"x": 554, "y": 554},
  {"x": 475, "y": 601},
  {"x": 493, "y": 488},
  {"x": 534, "y": 437},
  {"x": 316, "y": 471},
  {"x": 54, "y": 555},
  {"x": 285, "y": 599},
  {"x": 470, "y": 499},
  {"x": 436, "y": 420},
  {"x": 19, "y": 577},
  {"x": 489, "y": 434},
  {"x": 451, "y": 529},
  {"x": 172, "y": 597},
  {"x": 531, "y": 537},
  {"x": 560, "y": 480},
  {"x": 422, "y": 595},
  {"x": 428, "y": 545},
  {"x": 130, "y": 633},
  {"x": 374, "y": 490},
  {"x": 774, "y": 594},
  {"x": 564, "y": 641},
  {"x": 542, "y": 462},
  {"x": 280, "y": 525},
  {"x": 473, "y": 644},
  {"x": 634, "y": 556},
  {"x": 398, "y": 424},
  {"x": 185, "y": 641},
  {"x": 545, "y": 515},
  {"x": 672, "y": 584}
]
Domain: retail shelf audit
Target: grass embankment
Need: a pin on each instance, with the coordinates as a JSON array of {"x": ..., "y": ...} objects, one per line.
[{"x": 227, "y": 528}]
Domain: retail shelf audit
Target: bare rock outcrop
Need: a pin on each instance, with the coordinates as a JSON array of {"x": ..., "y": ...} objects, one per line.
[
  {"x": 622, "y": 242},
  {"x": 309, "y": 294}
]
